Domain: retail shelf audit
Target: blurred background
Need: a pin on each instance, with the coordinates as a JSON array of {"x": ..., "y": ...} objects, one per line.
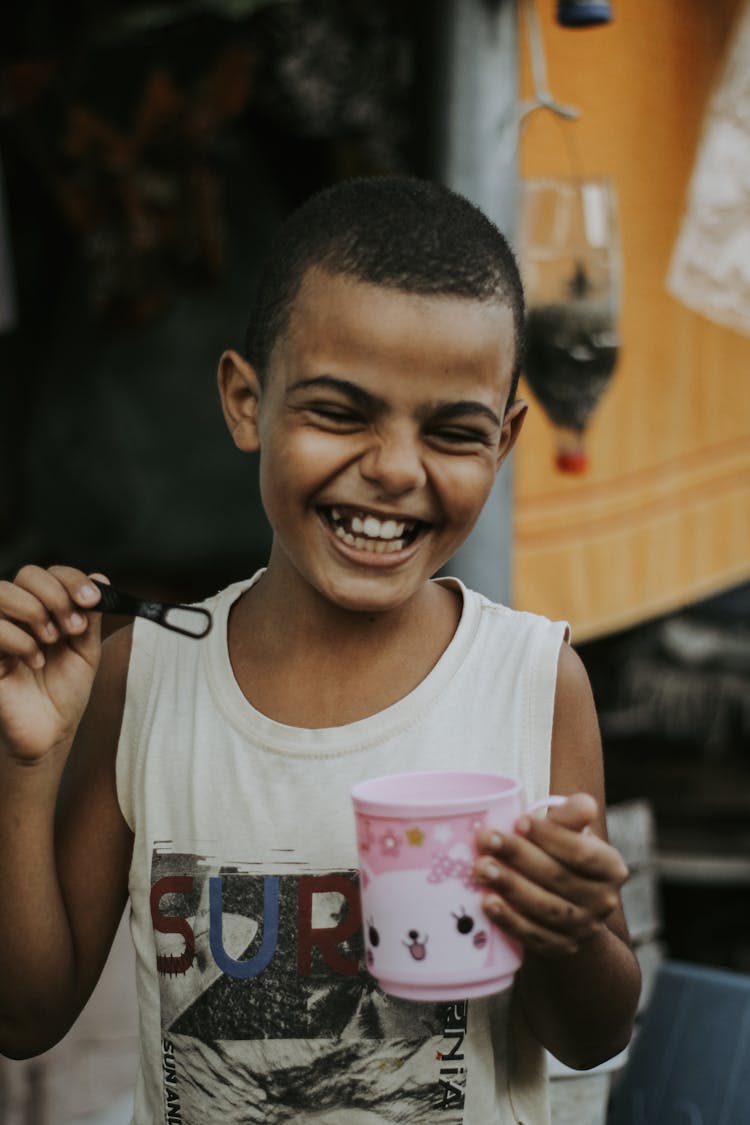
[{"x": 147, "y": 151}]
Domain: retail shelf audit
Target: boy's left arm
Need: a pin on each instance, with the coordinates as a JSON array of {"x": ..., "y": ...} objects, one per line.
[{"x": 554, "y": 885}]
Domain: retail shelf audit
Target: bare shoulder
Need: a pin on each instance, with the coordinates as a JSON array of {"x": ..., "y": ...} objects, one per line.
[
  {"x": 575, "y": 712},
  {"x": 572, "y": 677}
]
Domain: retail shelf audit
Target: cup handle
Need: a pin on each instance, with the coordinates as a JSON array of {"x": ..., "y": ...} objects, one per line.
[{"x": 550, "y": 802}]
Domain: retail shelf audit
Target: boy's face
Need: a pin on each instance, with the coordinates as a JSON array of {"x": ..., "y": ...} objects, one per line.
[{"x": 381, "y": 425}]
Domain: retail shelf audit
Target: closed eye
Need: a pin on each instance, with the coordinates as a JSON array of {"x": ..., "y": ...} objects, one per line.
[
  {"x": 333, "y": 414},
  {"x": 349, "y": 405},
  {"x": 461, "y": 425},
  {"x": 458, "y": 436}
]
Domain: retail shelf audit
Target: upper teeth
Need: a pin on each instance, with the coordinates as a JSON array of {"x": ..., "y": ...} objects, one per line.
[
  {"x": 373, "y": 527},
  {"x": 378, "y": 529}
]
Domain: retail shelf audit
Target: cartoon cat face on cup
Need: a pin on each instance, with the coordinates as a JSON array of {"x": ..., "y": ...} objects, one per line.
[
  {"x": 426, "y": 935},
  {"x": 446, "y": 931}
]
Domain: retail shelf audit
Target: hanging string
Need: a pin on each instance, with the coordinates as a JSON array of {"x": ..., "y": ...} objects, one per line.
[
  {"x": 571, "y": 335},
  {"x": 542, "y": 98}
]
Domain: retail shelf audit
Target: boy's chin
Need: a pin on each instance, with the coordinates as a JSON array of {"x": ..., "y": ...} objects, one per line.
[{"x": 378, "y": 595}]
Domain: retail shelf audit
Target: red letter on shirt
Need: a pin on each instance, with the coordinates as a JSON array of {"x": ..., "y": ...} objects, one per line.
[
  {"x": 328, "y": 939},
  {"x": 171, "y": 963}
]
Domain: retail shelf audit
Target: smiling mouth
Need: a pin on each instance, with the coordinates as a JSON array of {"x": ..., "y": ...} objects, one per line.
[{"x": 365, "y": 531}]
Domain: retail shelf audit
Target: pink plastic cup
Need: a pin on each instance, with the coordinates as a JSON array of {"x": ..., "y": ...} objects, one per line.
[{"x": 426, "y": 936}]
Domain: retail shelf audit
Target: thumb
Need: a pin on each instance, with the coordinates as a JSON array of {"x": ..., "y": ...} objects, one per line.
[{"x": 578, "y": 813}]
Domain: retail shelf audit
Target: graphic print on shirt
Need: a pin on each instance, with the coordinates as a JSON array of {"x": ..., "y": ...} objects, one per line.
[{"x": 267, "y": 1014}]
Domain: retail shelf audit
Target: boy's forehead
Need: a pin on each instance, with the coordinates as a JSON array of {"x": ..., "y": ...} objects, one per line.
[
  {"x": 341, "y": 323},
  {"x": 326, "y": 301},
  {"x": 317, "y": 281}
]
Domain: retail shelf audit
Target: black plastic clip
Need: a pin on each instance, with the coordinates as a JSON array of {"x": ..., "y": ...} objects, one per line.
[{"x": 189, "y": 620}]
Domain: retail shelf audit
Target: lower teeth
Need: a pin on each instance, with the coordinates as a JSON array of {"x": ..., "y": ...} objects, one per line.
[{"x": 376, "y": 546}]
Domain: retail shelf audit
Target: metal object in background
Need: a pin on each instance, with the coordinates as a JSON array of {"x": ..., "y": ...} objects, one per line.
[
  {"x": 477, "y": 157},
  {"x": 542, "y": 98},
  {"x": 583, "y": 13}
]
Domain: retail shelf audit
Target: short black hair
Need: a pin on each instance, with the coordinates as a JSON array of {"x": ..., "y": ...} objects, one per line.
[{"x": 397, "y": 231}]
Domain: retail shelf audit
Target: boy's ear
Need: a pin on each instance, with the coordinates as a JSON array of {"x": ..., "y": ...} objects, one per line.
[
  {"x": 239, "y": 390},
  {"x": 512, "y": 423}
]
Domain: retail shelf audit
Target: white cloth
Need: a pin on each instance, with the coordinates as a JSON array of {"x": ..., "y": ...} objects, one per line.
[
  {"x": 254, "y": 1005},
  {"x": 710, "y": 267}
]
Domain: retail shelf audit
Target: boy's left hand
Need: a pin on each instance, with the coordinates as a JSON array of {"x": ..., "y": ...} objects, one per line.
[{"x": 551, "y": 883}]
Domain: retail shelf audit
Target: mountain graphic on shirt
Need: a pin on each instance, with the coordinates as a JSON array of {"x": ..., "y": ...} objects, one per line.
[{"x": 268, "y": 1015}]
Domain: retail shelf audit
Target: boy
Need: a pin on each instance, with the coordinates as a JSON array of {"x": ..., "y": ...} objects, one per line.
[{"x": 211, "y": 781}]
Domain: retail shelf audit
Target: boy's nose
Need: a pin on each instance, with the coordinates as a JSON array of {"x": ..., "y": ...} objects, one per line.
[{"x": 394, "y": 463}]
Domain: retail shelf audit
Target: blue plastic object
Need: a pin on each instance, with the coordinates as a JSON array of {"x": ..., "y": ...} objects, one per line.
[
  {"x": 690, "y": 1061},
  {"x": 583, "y": 13}
]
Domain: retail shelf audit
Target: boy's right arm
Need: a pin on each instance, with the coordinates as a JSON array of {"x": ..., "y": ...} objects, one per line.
[{"x": 65, "y": 848}]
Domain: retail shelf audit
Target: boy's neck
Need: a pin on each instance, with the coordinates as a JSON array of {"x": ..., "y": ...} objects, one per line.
[
  {"x": 297, "y": 608},
  {"x": 305, "y": 662}
]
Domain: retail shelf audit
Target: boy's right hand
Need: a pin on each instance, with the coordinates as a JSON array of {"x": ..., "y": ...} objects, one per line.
[{"x": 49, "y": 654}]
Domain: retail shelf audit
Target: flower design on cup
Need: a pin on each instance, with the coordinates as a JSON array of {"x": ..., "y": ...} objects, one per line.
[
  {"x": 390, "y": 843},
  {"x": 364, "y": 835},
  {"x": 445, "y": 866},
  {"x": 444, "y": 833}
]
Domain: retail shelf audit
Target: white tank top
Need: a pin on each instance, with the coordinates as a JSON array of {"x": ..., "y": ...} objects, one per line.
[{"x": 254, "y": 1004}]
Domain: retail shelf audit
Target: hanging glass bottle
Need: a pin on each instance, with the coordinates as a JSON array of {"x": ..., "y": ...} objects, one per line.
[{"x": 570, "y": 260}]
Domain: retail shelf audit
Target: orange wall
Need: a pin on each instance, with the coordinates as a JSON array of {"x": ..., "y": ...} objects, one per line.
[{"x": 661, "y": 517}]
